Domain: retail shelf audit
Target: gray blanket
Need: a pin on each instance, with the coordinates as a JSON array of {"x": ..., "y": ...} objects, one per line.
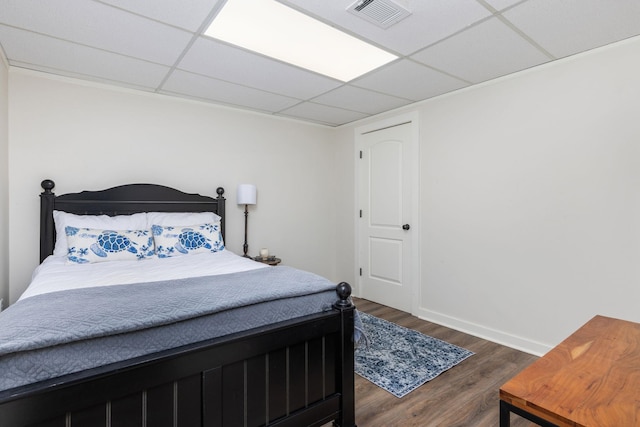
[{"x": 47, "y": 336}]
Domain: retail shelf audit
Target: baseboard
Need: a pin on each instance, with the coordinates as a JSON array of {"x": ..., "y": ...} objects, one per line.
[{"x": 499, "y": 337}]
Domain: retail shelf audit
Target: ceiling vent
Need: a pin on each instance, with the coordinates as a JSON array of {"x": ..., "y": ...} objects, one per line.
[{"x": 383, "y": 13}]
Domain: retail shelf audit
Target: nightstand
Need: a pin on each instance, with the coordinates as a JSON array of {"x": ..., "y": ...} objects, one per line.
[{"x": 269, "y": 260}]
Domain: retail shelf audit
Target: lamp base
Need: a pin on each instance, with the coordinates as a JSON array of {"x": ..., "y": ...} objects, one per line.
[{"x": 245, "y": 247}]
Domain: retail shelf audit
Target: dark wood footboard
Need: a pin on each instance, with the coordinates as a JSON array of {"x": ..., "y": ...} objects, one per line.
[{"x": 294, "y": 373}]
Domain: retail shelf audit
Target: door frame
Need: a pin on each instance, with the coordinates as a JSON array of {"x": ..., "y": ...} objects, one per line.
[{"x": 415, "y": 274}]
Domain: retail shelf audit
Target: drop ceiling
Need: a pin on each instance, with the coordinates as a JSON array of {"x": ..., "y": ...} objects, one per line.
[{"x": 443, "y": 45}]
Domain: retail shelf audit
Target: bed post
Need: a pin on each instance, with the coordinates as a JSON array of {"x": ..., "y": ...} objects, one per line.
[
  {"x": 47, "y": 198},
  {"x": 346, "y": 370},
  {"x": 221, "y": 208}
]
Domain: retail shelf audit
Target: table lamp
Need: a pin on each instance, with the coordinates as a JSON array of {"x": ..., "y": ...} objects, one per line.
[{"x": 246, "y": 196}]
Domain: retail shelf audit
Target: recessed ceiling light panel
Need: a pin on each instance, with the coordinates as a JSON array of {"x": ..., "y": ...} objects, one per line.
[{"x": 277, "y": 31}]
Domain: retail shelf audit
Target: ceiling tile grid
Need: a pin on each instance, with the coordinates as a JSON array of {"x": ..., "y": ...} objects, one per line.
[
  {"x": 442, "y": 45},
  {"x": 485, "y": 51},
  {"x": 502, "y": 4},
  {"x": 362, "y": 100},
  {"x": 429, "y": 22},
  {"x": 410, "y": 80},
  {"x": 571, "y": 26},
  {"x": 38, "y": 52},
  {"x": 187, "y": 15},
  {"x": 322, "y": 114},
  {"x": 218, "y": 60},
  {"x": 200, "y": 87},
  {"x": 97, "y": 25}
]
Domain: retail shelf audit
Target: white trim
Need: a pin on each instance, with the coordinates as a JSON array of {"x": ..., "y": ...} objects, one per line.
[
  {"x": 499, "y": 337},
  {"x": 413, "y": 118}
]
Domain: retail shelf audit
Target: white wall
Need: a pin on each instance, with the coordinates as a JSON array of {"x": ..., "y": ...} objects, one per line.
[
  {"x": 529, "y": 185},
  {"x": 4, "y": 180},
  {"x": 344, "y": 187},
  {"x": 530, "y": 200},
  {"x": 88, "y": 136}
]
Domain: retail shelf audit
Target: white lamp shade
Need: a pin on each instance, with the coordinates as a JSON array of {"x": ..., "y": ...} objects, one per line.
[{"x": 246, "y": 194}]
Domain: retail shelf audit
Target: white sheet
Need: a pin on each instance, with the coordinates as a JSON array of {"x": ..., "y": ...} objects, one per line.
[{"x": 55, "y": 274}]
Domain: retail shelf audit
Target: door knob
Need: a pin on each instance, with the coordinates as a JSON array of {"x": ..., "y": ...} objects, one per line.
[{"x": 406, "y": 227}]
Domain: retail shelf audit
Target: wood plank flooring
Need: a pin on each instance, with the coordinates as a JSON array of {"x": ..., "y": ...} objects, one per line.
[{"x": 465, "y": 395}]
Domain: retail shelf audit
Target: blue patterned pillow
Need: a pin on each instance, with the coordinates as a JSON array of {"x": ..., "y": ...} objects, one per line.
[
  {"x": 183, "y": 240},
  {"x": 86, "y": 245}
]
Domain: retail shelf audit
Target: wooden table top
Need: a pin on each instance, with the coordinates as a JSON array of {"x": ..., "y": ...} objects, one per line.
[{"x": 590, "y": 379}]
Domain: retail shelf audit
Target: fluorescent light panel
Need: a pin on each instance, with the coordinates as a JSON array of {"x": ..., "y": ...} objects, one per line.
[{"x": 277, "y": 31}]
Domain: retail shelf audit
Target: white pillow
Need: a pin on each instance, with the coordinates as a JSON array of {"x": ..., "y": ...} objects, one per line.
[
  {"x": 87, "y": 245},
  {"x": 184, "y": 240},
  {"x": 178, "y": 219},
  {"x": 62, "y": 220}
]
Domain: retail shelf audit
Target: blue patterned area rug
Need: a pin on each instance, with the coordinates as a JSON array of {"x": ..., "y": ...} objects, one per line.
[{"x": 398, "y": 359}]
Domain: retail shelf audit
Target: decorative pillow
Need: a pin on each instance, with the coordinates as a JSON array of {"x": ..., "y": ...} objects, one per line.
[
  {"x": 61, "y": 220},
  {"x": 88, "y": 245},
  {"x": 181, "y": 219},
  {"x": 183, "y": 240}
]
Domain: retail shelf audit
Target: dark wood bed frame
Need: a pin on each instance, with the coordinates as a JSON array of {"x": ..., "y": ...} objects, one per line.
[{"x": 293, "y": 373}]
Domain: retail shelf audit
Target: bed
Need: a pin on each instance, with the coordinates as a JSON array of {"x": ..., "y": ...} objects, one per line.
[{"x": 283, "y": 369}]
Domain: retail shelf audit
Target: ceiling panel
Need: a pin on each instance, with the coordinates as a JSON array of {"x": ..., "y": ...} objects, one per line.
[
  {"x": 190, "y": 15},
  {"x": 443, "y": 46},
  {"x": 30, "y": 50},
  {"x": 429, "y": 21},
  {"x": 98, "y": 25},
  {"x": 570, "y": 26},
  {"x": 410, "y": 80},
  {"x": 485, "y": 51},
  {"x": 322, "y": 113},
  {"x": 196, "y": 86},
  {"x": 362, "y": 100},
  {"x": 217, "y": 59},
  {"x": 502, "y": 4}
]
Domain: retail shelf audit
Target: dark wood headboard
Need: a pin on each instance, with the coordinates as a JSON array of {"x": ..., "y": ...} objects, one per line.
[{"x": 121, "y": 200}]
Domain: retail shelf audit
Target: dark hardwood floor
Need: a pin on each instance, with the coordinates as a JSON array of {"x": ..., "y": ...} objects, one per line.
[{"x": 465, "y": 395}]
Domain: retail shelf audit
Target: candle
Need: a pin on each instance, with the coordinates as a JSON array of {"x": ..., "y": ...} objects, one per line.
[{"x": 264, "y": 253}]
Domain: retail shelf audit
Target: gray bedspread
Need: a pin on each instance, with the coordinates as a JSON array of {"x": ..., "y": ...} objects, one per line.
[{"x": 53, "y": 334}]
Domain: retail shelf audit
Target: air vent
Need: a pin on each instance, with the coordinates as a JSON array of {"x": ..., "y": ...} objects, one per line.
[{"x": 383, "y": 13}]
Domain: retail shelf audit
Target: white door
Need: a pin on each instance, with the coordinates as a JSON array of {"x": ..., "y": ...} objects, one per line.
[{"x": 386, "y": 230}]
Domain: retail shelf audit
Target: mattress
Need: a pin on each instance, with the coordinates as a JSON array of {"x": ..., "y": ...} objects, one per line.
[
  {"x": 72, "y": 319},
  {"x": 56, "y": 273}
]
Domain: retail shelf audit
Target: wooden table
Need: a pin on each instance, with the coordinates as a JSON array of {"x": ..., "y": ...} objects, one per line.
[{"x": 590, "y": 379}]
